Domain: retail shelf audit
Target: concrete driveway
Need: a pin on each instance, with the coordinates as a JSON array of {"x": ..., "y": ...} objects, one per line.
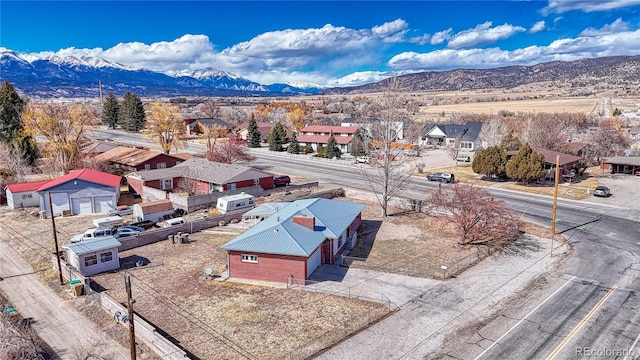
[{"x": 625, "y": 191}]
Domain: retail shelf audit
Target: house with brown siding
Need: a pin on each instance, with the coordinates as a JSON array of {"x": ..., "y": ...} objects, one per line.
[
  {"x": 294, "y": 241},
  {"x": 133, "y": 159},
  {"x": 200, "y": 175}
]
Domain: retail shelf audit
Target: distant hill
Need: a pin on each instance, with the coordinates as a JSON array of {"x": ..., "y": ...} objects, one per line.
[{"x": 620, "y": 70}]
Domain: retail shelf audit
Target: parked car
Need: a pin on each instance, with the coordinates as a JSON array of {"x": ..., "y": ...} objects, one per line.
[
  {"x": 408, "y": 152},
  {"x": 121, "y": 210},
  {"x": 602, "y": 191},
  {"x": 463, "y": 158},
  {"x": 125, "y": 231},
  {"x": 363, "y": 159},
  {"x": 281, "y": 180},
  {"x": 179, "y": 221},
  {"x": 93, "y": 234},
  {"x": 146, "y": 224},
  {"x": 441, "y": 177},
  {"x": 132, "y": 227}
]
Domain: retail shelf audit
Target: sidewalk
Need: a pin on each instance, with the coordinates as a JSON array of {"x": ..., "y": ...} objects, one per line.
[{"x": 421, "y": 326}]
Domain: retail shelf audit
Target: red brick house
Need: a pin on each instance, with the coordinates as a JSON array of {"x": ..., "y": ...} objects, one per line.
[
  {"x": 293, "y": 242},
  {"x": 203, "y": 177},
  {"x": 567, "y": 162},
  {"x": 318, "y": 135},
  {"x": 132, "y": 159}
]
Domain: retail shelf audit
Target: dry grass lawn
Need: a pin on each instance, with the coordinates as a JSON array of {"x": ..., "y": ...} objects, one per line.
[{"x": 556, "y": 105}]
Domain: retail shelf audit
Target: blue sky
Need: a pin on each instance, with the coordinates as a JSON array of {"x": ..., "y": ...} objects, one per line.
[{"x": 333, "y": 43}]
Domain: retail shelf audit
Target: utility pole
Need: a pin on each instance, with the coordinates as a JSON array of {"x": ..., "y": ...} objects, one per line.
[
  {"x": 132, "y": 331},
  {"x": 55, "y": 240},
  {"x": 555, "y": 203}
]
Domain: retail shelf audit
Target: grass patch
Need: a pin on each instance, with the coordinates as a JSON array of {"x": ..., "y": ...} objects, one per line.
[{"x": 577, "y": 191}]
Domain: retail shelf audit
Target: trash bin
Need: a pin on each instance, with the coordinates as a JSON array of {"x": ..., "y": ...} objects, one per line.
[
  {"x": 77, "y": 289},
  {"x": 185, "y": 238}
]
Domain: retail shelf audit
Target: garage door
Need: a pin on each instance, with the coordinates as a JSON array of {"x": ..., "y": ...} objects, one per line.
[
  {"x": 103, "y": 204},
  {"x": 81, "y": 206},
  {"x": 60, "y": 202},
  {"x": 313, "y": 262}
]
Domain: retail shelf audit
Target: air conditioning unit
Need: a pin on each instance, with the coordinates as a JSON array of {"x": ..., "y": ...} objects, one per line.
[{"x": 66, "y": 213}]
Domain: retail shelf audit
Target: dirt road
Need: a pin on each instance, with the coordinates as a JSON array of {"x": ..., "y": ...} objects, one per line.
[{"x": 57, "y": 323}]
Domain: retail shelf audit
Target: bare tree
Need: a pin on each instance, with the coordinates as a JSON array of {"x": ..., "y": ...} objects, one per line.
[
  {"x": 386, "y": 177},
  {"x": 96, "y": 349},
  {"x": 13, "y": 163},
  {"x": 477, "y": 217},
  {"x": 229, "y": 152},
  {"x": 235, "y": 116},
  {"x": 492, "y": 132},
  {"x": 18, "y": 340},
  {"x": 210, "y": 109}
]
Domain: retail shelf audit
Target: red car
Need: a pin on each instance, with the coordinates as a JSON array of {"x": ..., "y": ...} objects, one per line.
[{"x": 282, "y": 180}]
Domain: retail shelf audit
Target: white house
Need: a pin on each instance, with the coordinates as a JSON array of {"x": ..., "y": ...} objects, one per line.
[
  {"x": 93, "y": 256},
  {"x": 24, "y": 194}
]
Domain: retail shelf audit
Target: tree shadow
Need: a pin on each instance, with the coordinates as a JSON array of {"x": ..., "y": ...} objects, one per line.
[
  {"x": 366, "y": 238},
  {"x": 524, "y": 246}
]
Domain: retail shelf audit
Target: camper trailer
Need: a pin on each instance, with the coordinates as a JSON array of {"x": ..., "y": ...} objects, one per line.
[
  {"x": 107, "y": 222},
  {"x": 235, "y": 202}
]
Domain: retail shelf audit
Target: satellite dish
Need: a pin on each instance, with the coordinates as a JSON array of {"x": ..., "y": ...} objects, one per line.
[{"x": 208, "y": 272}]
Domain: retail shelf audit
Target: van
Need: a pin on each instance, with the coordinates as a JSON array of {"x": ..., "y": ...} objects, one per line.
[{"x": 173, "y": 222}]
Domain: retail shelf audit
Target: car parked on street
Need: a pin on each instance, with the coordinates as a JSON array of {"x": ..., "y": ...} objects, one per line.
[
  {"x": 363, "y": 159},
  {"x": 463, "y": 158},
  {"x": 441, "y": 177},
  {"x": 282, "y": 180},
  {"x": 602, "y": 191}
]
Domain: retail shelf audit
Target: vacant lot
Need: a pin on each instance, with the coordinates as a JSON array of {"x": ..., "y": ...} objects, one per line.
[{"x": 556, "y": 105}]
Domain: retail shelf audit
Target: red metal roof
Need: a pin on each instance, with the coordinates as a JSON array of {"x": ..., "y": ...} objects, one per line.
[
  {"x": 26, "y": 186},
  {"x": 89, "y": 175},
  {"x": 330, "y": 129},
  {"x": 318, "y": 139}
]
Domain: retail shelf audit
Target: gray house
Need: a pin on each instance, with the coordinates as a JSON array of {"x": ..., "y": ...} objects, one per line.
[
  {"x": 83, "y": 191},
  {"x": 93, "y": 256},
  {"x": 466, "y": 137}
]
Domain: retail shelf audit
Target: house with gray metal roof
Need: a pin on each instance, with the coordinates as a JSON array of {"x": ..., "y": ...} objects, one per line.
[
  {"x": 294, "y": 241},
  {"x": 465, "y": 136},
  {"x": 93, "y": 256}
]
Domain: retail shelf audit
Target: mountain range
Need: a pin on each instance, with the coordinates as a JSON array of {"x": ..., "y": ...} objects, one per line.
[{"x": 74, "y": 77}]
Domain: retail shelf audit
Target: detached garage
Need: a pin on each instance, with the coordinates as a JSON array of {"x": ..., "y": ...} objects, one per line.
[{"x": 84, "y": 191}]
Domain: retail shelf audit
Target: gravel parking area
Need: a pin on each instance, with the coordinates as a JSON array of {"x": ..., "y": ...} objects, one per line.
[{"x": 625, "y": 191}]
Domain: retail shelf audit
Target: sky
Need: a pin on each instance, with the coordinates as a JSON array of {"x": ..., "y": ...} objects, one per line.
[{"x": 329, "y": 43}]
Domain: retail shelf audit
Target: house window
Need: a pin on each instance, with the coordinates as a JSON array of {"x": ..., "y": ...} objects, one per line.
[
  {"x": 250, "y": 258},
  {"x": 90, "y": 260},
  {"x": 27, "y": 196},
  {"x": 106, "y": 256},
  {"x": 161, "y": 165},
  {"x": 166, "y": 184},
  {"x": 466, "y": 145},
  {"x": 147, "y": 166}
]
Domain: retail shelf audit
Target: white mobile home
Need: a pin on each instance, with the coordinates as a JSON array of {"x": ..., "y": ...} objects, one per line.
[
  {"x": 93, "y": 256},
  {"x": 24, "y": 194},
  {"x": 235, "y": 202},
  {"x": 152, "y": 210}
]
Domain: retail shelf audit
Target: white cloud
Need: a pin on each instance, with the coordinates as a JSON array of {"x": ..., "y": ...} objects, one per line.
[
  {"x": 392, "y": 31},
  {"x": 561, "y": 6},
  {"x": 483, "y": 34},
  {"x": 623, "y": 43},
  {"x": 614, "y": 27},
  {"x": 441, "y": 36},
  {"x": 538, "y": 27},
  {"x": 420, "y": 40},
  {"x": 359, "y": 78}
]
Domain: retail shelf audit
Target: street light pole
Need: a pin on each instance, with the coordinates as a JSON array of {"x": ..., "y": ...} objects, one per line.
[{"x": 555, "y": 203}]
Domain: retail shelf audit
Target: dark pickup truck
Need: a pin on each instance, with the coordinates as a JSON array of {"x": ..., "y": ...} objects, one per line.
[{"x": 146, "y": 224}]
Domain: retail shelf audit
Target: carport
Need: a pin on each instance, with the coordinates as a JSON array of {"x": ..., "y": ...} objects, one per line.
[{"x": 622, "y": 164}]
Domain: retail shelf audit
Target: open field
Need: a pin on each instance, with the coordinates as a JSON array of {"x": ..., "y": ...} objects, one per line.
[{"x": 556, "y": 105}]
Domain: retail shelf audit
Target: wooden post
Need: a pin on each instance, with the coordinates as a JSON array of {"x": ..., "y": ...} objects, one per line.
[
  {"x": 55, "y": 240},
  {"x": 555, "y": 203},
  {"x": 132, "y": 330}
]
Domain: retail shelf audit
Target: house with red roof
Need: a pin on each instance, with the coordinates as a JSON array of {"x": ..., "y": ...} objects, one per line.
[
  {"x": 83, "y": 191},
  {"x": 21, "y": 195},
  {"x": 318, "y": 135}
]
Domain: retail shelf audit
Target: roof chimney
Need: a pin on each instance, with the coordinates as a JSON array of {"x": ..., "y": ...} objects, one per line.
[{"x": 307, "y": 221}]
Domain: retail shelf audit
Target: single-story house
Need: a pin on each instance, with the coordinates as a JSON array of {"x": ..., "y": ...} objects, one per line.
[
  {"x": 265, "y": 210},
  {"x": 83, "y": 191},
  {"x": 264, "y": 128},
  {"x": 567, "y": 162},
  {"x": 220, "y": 127},
  {"x": 200, "y": 175},
  {"x": 622, "y": 164},
  {"x": 25, "y": 194},
  {"x": 97, "y": 147},
  {"x": 93, "y": 256},
  {"x": 152, "y": 210},
  {"x": 466, "y": 137},
  {"x": 132, "y": 159},
  {"x": 318, "y": 135},
  {"x": 294, "y": 241}
]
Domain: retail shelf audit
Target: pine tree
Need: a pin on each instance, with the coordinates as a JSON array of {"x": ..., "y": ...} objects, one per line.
[
  {"x": 110, "y": 111},
  {"x": 277, "y": 137},
  {"x": 294, "y": 146},
  {"x": 357, "y": 145},
  {"x": 253, "y": 134},
  {"x": 131, "y": 116},
  {"x": 11, "y": 106},
  {"x": 490, "y": 161},
  {"x": 332, "y": 150},
  {"x": 526, "y": 165},
  {"x": 28, "y": 149}
]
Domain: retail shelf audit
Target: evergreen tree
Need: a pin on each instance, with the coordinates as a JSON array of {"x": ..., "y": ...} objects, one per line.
[
  {"x": 510, "y": 142},
  {"x": 332, "y": 150},
  {"x": 526, "y": 165},
  {"x": 28, "y": 149},
  {"x": 294, "y": 146},
  {"x": 11, "y": 106},
  {"x": 131, "y": 116},
  {"x": 357, "y": 145},
  {"x": 253, "y": 134},
  {"x": 490, "y": 161},
  {"x": 277, "y": 137},
  {"x": 110, "y": 111}
]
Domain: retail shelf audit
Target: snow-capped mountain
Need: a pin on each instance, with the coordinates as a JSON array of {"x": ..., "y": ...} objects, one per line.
[{"x": 70, "y": 76}]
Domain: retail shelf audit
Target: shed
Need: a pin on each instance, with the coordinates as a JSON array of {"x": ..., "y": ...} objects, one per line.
[
  {"x": 93, "y": 256},
  {"x": 83, "y": 191},
  {"x": 152, "y": 210},
  {"x": 25, "y": 194}
]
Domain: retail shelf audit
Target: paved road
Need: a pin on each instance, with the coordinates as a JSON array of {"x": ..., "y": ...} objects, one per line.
[{"x": 55, "y": 321}]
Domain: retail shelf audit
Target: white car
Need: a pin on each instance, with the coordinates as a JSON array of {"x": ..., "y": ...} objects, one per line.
[
  {"x": 463, "y": 158},
  {"x": 363, "y": 159}
]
